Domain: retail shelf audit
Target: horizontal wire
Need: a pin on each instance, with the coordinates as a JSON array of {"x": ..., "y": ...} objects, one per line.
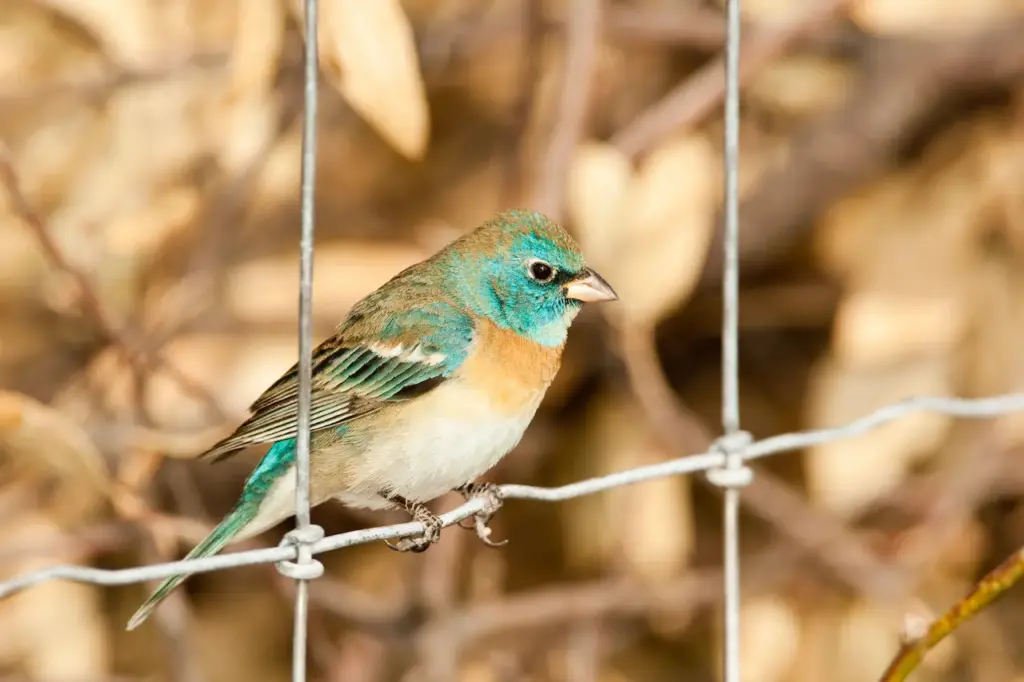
[
  {"x": 966, "y": 408},
  {"x": 957, "y": 407}
]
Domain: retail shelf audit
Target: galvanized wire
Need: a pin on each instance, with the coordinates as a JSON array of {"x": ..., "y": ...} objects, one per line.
[
  {"x": 731, "y": 270},
  {"x": 735, "y": 475},
  {"x": 981, "y": 408},
  {"x": 724, "y": 462},
  {"x": 304, "y": 553}
]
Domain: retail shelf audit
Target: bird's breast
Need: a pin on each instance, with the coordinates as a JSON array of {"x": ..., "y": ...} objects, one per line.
[
  {"x": 511, "y": 371},
  {"x": 449, "y": 436},
  {"x": 437, "y": 442}
]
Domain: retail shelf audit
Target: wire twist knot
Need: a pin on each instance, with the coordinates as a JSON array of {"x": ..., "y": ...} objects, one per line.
[
  {"x": 735, "y": 474},
  {"x": 306, "y": 567}
]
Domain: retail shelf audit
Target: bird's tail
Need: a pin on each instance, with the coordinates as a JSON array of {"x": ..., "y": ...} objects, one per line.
[{"x": 211, "y": 544}]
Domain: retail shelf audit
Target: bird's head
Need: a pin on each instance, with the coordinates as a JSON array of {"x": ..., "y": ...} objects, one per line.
[{"x": 526, "y": 273}]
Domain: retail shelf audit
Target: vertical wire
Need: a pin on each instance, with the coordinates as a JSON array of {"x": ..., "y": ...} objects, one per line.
[
  {"x": 307, "y": 192},
  {"x": 730, "y": 341},
  {"x": 730, "y": 277}
]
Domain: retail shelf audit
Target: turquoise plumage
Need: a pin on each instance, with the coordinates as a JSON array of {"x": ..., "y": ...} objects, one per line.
[{"x": 427, "y": 383}]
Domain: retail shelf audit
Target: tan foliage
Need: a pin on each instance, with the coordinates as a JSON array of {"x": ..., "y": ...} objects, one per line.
[{"x": 159, "y": 144}]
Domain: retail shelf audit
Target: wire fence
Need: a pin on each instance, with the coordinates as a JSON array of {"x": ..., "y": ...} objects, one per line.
[{"x": 724, "y": 463}]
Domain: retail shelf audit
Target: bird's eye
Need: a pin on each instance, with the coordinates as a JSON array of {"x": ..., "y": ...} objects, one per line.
[{"x": 541, "y": 271}]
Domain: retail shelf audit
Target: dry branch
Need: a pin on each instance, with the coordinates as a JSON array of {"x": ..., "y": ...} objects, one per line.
[
  {"x": 582, "y": 35},
  {"x": 133, "y": 349},
  {"x": 694, "y": 99}
]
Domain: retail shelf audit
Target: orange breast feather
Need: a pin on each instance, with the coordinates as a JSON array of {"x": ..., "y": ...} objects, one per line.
[{"x": 512, "y": 370}]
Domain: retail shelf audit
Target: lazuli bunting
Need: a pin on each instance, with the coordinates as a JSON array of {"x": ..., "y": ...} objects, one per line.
[{"x": 429, "y": 381}]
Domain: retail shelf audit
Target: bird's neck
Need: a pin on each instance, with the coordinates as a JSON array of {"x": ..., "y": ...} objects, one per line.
[
  {"x": 547, "y": 325},
  {"x": 554, "y": 331}
]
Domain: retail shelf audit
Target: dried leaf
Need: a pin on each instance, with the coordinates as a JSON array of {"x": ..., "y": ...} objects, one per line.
[
  {"x": 128, "y": 29},
  {"x": 248, "y": 112},
  {"x": 670, "y": 212},
  {"x": 599, "y": 181},
  {"x": 22, "y": 266},
  {"x": 263, "y": 290},
  {"x": 56, "y": 630},
  {"x": 231, "y": 620},
  {"x": 256, "y": 51},
  {"x": 35, "y": 53},
  {"x": 770, "y": 639},
  {"x": 930, "y": 16},
  {"x": 933, "y": 212},
  {"x": 847, "y": 474},
  {"x": 122, "y": 152},
  {"x": 852, "y": 229},
  {"x": 141, "y": 234},
  {"x": 368, "y": 53},
  {"x": 801, "y": 85},
  {"x": 616, "y": 439},
  {"x": 996, "y": 364},
  {"x": 647, "y": 232},
  {"x": 236, "y": 372},
  {"x": 876, "y": 328},
  {"x": 45, "y": 444},
  {"x": 249, "y": 123},
  {"x": 768, "y": 12}
]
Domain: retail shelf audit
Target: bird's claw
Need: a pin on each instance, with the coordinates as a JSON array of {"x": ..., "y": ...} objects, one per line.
[
  {"x": 431, "y": 530},
  {"x": 483, "y": 531},
  {"x": 493, "y": 499},
  {"x": 413, "y": 545}
]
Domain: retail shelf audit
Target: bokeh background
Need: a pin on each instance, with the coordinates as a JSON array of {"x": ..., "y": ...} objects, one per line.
[{"x": 148, "y": 293}]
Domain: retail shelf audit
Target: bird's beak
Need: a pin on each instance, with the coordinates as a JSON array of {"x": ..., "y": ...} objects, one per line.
[{"x": 590, "y": 287}]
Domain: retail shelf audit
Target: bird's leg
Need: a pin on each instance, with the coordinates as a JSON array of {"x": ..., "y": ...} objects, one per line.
[
  {"x": 493, "y": 499},
  {"x": 431, "y": 526}
]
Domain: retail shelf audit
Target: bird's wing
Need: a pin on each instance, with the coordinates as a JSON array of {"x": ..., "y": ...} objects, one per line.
[{"x": 369, "y": 363}]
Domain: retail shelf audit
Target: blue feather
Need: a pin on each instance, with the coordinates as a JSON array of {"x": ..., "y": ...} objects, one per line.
[{"x": 496, "y": 285}]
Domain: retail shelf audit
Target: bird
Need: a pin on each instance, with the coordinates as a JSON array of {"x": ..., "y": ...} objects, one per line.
[{"x": 426, "y": 384}]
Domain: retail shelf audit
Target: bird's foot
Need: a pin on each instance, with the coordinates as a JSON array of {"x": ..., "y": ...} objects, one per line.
[
  {"x": 493, "y": 499},
  {"x": 431, "y": 527}
]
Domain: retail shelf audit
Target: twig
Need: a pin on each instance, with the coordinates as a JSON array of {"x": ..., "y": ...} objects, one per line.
[
  {"x": 359, "y": 658},
  {"x": 84, "y": 543},
  {"x": 583, "y": 33},
  {"x": 173, "y": 622},
  {"x": 171, "y": 444},
  {"x": 116, "y": 78},
  {"x": 917, "y": 644},
  {"x": 28, "y": 215},
  {"x": 229, "y": 194},
  {"x": 437, "y": 591},
  {"x": 558, "y": 605},
  {"x": 694, "y": 99},
  {"x": 965, "y": 482},
  {"x": 359, "y": 608},
  {"x": 131, "y": 348},
  {"x": 831, "y": 542},
  {"x": 689, "y": 24},
  {"x": 532, "y": 16},
  {"x": 582, "y": 653}
]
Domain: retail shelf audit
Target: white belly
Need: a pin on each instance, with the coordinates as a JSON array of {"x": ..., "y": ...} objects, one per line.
[
  {"x": 420, "y": 457},
  {"x": 426, "y": 456}
]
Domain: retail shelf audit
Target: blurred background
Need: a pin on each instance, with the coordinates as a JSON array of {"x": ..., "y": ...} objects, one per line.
[{"x": 148, "y": 293}]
